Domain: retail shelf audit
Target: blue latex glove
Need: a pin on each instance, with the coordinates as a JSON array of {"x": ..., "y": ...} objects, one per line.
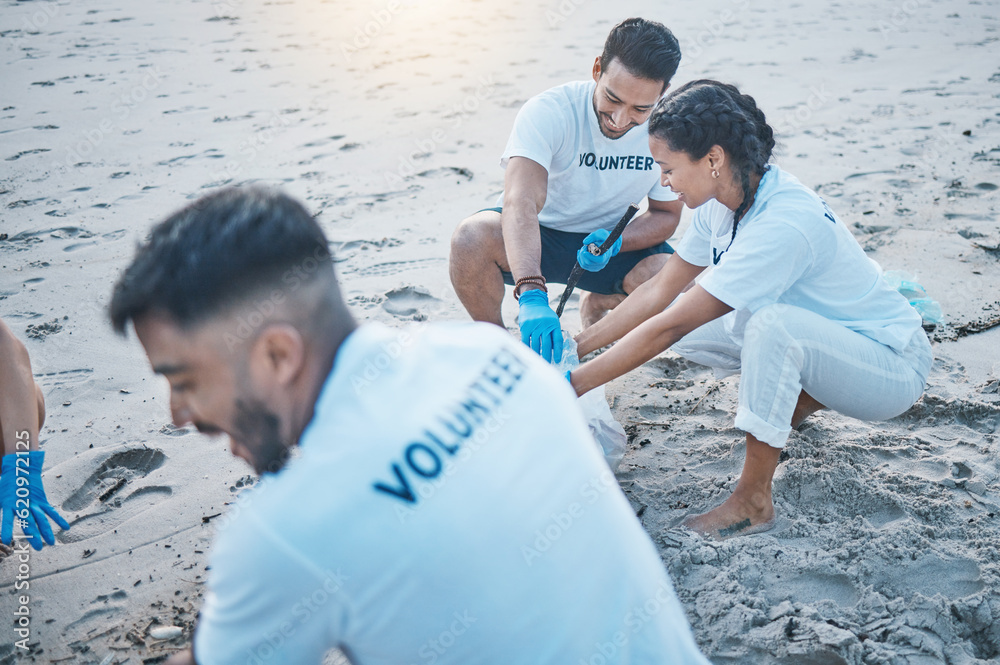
[
  {"x": 592, "y": 263},
  {"x": 540, "y": 326},
  {"x": 22, "y": 498}
]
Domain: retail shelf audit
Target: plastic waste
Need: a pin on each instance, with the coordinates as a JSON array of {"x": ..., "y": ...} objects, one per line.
[
  {"x": 907, "y": 284},
  {"x": 607, "y": 432},
  {"x": 929, "y": 309}
]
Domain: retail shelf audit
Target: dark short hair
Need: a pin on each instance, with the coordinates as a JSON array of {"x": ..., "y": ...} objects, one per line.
[
  {"x": 223, "y": 248},
  {"x": 646, "y": 49}
]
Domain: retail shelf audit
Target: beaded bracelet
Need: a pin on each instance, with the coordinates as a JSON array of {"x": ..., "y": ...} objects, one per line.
[
  {"x": 531, "y": 278},
  {"x": 537, "y": 281}
]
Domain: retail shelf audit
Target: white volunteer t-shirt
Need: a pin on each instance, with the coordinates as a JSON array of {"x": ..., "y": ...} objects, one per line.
[
  {"x": 790, "y": 248},
  {"x": 591, "y": 179},
  {"x": 448, "y": 506}
]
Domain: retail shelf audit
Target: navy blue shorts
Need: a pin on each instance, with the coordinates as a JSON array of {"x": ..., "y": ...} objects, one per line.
[{"x": 559, "y": 250}]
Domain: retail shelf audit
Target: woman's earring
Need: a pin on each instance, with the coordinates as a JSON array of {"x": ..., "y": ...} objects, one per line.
[{"x": 715, "y": 173}]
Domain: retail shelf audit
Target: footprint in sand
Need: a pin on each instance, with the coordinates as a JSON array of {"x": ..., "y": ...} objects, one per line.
[
  {"x": 68, "y": 232},
  {"x": 108, "y": 605},
  {"x": 811, "y": 586},
  {"x": 21, "y": 154},
  {"x": 322, "y": 142},
  {"x": 113, "y": 475},
  {"x": 446, "y": 172},
  {"x": 408, "y": 302},
  {"x": 65, "y": 385},
  {"x": 79, "y": 245},
  {"x": 26, "y": 238},
  {"x": 886, "y": 514},
  {"x": 24, "y": 203},
  {"x": 40, "y": 331},
  {"x": 932, "y": 574},
  {"x": 347, "y": 249},
  {"x": 107, "y": 492},
  {"x": 969, "y": 233},
  {"x": 933, "y": 410},
  {"x": 392, "y": 267},
  {"x": 365, "y": 302}
]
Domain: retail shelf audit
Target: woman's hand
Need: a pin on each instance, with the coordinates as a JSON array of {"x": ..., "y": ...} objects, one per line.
[
  {"x": 692, "y": 310},
  {"x": 649, "y": 299},
  {"x": 182, "y": 658}
]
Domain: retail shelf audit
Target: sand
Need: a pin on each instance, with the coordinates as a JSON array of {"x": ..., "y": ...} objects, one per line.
[{"x": 387, "y": 119}]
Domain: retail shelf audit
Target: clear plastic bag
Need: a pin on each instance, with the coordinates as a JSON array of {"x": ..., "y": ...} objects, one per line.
[
  {"x": 907, "y": 284},
  {"x": 607, "y": 432}
]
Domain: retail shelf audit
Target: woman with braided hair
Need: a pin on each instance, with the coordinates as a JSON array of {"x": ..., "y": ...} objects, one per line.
[{"x": 791, "y": 301}]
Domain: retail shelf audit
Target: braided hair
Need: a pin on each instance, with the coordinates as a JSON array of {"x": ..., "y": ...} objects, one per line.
[{"x": 705, "y": 113}]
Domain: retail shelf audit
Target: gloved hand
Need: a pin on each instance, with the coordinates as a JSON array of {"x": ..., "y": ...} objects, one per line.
[
  {"x": 22, "y": 499},
  {"x": 592, "y": 263},
  {"x": 540, "y": 326}
]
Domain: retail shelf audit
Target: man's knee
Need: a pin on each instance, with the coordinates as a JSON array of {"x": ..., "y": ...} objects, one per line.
[
  {"x": 466, "y": 235},
  {"x": 478, "y": 241},
  {"x": 644, "y": 271},
  {"x": 478, "y": 233}
]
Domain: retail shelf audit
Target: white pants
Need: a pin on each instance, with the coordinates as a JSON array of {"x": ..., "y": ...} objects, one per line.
[{"x": 783, "y": 350}]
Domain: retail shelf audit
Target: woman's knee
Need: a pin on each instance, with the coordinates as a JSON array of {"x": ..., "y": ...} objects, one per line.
[
  {"x": 768, "y": 325},
  {"x": 769, "y": 316}
]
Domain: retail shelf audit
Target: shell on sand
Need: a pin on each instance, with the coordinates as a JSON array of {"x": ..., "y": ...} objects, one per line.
[{"x": 165, "y": 632}]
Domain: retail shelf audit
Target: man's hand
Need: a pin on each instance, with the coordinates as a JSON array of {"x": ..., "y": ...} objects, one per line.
[
  {"x": 22, "y": 499},
  {"x": 540, "y": 326},
  {"x": 592, "y": 263}
]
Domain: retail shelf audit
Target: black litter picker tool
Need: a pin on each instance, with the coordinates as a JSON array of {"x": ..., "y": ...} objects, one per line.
[{"x": 596, "y": 250}]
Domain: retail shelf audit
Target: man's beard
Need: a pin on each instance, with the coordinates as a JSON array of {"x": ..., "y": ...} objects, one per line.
[
  {"x": 260, "y": 433},
  {"x": 600, "y": 123}
]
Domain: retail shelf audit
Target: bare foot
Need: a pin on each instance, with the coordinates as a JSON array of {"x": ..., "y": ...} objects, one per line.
[
  {"x": 735, "y": 517},
  {"x": 595, "y": 306}
]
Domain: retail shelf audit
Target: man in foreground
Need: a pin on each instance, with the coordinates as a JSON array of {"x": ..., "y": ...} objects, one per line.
[
  {"x": 418, "y": 503},
  {"x": 577, "y": 157}
]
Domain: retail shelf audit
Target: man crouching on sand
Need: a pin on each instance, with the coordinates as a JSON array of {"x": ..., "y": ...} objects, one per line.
[{"x": 449, "y": 506}]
